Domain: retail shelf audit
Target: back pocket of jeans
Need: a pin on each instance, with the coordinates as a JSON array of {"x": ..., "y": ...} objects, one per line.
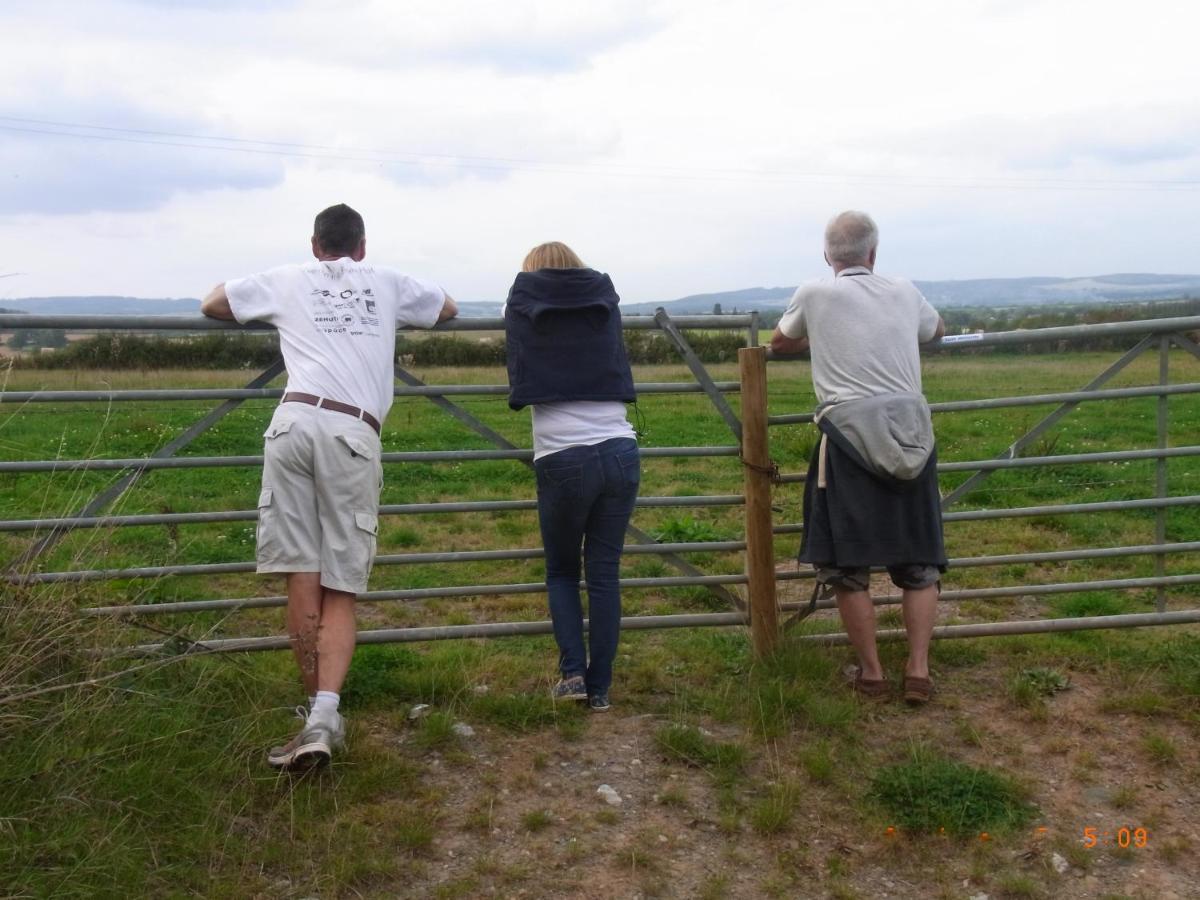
[
  {"x": 560, "y": 481},
  {"x": 630, "y": 462}
]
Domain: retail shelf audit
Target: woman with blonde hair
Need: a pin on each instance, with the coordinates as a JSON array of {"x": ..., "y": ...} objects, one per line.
[{"x": 566, "y": 359}]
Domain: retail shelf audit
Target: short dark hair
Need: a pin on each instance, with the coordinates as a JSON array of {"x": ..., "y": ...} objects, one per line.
[{"x": 339, "y": 229}]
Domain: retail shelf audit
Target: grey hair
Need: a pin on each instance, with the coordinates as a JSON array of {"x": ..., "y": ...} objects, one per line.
[{"x": 850, "y": 237}]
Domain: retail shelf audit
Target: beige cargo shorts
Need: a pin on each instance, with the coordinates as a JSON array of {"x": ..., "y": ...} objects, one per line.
[{"x": 319, "y": 506}]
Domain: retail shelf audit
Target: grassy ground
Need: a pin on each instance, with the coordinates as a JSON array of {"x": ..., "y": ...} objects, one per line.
[{"x": 737, "y": 777}]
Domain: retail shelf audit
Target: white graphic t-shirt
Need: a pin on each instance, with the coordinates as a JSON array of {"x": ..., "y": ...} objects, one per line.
[{"x": 337, "y": 322}]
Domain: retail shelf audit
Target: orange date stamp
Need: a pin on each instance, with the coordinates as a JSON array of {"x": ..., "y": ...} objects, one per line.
[{"x": 1125, "y": 837}]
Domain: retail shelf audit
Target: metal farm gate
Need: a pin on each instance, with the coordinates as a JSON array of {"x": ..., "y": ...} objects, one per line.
[{"x": 749, "y": 441}]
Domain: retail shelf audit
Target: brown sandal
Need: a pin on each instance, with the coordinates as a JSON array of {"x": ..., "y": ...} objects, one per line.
[
  {"x": 917, "y": 691},
  {"x": 872, "y": 688}
]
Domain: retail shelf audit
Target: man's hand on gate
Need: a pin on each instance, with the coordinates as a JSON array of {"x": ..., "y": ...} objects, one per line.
[
  {"x": 782, "y": 345},
  {"x": 216, "y": 304}
]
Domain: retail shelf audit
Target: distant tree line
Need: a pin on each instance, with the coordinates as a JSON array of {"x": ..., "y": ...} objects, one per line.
[
  {"x": 225, "y": 350},
  {"x": 36, "y": 338},
  {"x": 238, "y": 350}
]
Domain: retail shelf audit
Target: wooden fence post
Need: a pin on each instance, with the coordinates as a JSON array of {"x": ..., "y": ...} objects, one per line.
[{"x": 757, "y": 468}]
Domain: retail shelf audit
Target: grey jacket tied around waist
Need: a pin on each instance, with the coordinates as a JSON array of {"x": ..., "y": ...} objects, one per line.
[{"x": 891, "y": 433}]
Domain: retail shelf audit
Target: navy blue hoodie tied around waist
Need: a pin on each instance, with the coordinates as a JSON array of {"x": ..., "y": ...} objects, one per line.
[{"x": 562, "y": 333}]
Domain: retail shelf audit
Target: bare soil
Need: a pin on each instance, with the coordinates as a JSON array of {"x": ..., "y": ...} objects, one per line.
[{"x": 671, "y": 837}]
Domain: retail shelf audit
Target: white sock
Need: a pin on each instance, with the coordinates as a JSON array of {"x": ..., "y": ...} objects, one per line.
[
  {"x": 324, "y": 707},
  {"x": 312, "y": 701}
]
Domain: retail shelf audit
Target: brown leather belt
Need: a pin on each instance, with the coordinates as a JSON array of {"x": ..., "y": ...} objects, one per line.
[{"x": 335, "y": 405}]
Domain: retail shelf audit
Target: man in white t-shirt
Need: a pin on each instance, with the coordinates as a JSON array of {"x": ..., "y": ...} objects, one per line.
[
  {"x": 322, "y": 474},
  {"x": 864, "y": 331}
]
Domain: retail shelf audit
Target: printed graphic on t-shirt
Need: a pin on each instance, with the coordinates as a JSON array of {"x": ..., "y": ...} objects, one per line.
[{"x": 348, "y": 311}]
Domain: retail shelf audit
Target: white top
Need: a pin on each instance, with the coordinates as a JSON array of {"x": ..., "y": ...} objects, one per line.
[
  {"x": 863, "y": 331},
  {"x": 337, "y": 322},
  {"x": 576, "y": 423}
]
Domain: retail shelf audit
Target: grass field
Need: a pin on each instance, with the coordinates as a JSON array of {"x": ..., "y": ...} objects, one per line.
[{"x": 739, "y": 778}]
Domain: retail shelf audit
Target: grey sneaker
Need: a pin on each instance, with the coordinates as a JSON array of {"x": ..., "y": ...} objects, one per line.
[
  {"x": 569, "y": 689},
  {"x": 599, "y": 701},
  {"x": 281, "y": 757},
  {"x": 317, "y": 741}
]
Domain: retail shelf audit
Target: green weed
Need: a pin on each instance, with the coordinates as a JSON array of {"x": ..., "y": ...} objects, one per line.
[{"x": 929, "y": 792}]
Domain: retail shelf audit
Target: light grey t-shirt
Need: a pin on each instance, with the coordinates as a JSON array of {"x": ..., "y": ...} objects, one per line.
[{"x": 863, "y": 331}]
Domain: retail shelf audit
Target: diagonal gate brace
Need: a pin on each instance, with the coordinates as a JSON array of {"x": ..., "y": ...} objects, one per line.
[
  {"x": 101, "y": 500},
  {"x": 699, "y": 372}
]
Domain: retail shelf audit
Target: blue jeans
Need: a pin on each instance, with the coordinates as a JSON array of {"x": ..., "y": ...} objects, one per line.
[{"x": 585, "y": 498}]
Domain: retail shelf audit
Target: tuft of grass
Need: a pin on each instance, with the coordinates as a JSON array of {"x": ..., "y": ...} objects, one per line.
[
  {"x": 414, "y": 832},
  {"x": 1124, "y": 797},
  {"x": 435, "y": 731},
  {"x": 673, "y": 795},
  {"x": 689, "y": 745},
  {"x": 715, "y": 888},
  {"x": 1020, "y": 887},
  {"x": 520, "y": 712},
  {"x": 1160, "y": 748},
  {"x": 1138, "y": 703},
  {"x": 774, "y": 812},
  {"x": 607, "y": 816},
  {"x": 536, "y": 820},
  {"x": 929, "y": 792},
  {"x": 817, "y": 760},
  {"x": 967, "y": 732}
]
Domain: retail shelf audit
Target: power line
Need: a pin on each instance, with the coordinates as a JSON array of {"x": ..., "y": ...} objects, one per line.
[{"x": 184, "y": 140}]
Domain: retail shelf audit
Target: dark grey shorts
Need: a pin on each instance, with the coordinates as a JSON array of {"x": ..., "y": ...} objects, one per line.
[{"x": 907, "y": 576}]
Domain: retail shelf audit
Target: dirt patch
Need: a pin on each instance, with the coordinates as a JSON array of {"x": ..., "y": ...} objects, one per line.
[{"x": 521, "y": 816}]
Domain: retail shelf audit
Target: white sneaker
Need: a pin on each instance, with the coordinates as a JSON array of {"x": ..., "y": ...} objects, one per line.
[
  {"x": 281, "y": 757},
  {"x": 317, "y": 741}
]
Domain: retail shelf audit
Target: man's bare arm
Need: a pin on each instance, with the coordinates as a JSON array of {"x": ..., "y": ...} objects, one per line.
[
  {"x": 216, "y": 304},
  {"x": 939, "y": 332},
  {"x": 787, "y": 346},
  {"x": 449, "y": 309}
]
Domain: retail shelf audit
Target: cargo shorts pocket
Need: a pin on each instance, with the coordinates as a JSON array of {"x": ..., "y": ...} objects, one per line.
[
  {"x": 366, "y": 529},
  {"x": 264, "y": 533},
  {"x": 275, "y": 429},
  {"x": 357, "y": 447}
]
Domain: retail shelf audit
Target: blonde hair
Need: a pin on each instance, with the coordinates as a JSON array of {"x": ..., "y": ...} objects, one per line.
[{"x": 551, "y": 255}]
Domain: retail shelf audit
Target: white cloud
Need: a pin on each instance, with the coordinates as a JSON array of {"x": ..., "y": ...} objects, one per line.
[{"x": 682, "y": 147}]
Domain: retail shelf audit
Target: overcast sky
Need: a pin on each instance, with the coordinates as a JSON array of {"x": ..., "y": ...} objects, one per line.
[{"x": 154, "y": 148}]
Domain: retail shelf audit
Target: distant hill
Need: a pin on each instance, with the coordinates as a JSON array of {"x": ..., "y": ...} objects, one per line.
[{"x": 971, "y": 292}]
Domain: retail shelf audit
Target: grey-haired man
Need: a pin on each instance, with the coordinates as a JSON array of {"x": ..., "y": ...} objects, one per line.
[{"x": 871, "y": 498}]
